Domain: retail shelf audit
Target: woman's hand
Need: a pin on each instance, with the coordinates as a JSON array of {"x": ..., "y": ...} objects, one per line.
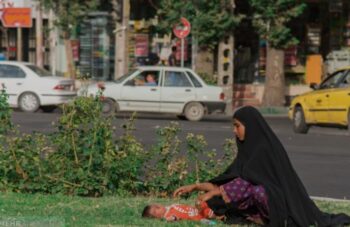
[
  {"x": 205, "y": 197},
  {"x": 184, "y": 189}
]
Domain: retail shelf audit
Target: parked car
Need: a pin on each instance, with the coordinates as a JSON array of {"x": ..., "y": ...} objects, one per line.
[
  {"x": 161, "y": 89},
  {"x": 328, "y": 104},
  {"x": 30, "y": 87}
]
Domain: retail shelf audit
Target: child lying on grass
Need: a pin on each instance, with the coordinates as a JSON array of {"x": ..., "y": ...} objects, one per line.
[{"x": 178, "y": 212}]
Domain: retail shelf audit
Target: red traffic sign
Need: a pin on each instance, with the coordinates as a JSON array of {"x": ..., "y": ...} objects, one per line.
[
  {"x": 16, "y": 17},
  {"x": 182, "y": 29}
]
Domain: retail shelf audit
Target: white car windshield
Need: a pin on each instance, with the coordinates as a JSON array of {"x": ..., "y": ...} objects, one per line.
[
  {"x": 122, "y": 78},
  {"x": 39, "y": 71}
]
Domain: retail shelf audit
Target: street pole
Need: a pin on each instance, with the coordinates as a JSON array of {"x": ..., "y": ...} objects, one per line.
[
  {"x": 19, "y": 45},
  {"x": 39, "y": 36},
  {"x": 182, "y": 52}
]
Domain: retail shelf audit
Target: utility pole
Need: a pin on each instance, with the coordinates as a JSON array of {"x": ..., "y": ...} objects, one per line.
[
  {"x": 39, "y": 36},
  {"x": 226, "y": 66},
  {"x": 19, "y": 45},
  {"x": 122, "y": 15}
]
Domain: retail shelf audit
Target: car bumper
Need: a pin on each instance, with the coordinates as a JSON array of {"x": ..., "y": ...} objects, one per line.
[
  {"x": 56, "y": 99},
  {"x": 215, "y": 106}
]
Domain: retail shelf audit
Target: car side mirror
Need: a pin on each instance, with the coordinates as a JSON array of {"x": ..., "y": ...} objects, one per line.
[
  {"x": 314, "y": 86},
  {"x": 130, "y": 83}
]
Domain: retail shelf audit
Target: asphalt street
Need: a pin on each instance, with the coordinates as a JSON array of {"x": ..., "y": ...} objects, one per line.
[{"x": 321, "y": 157}]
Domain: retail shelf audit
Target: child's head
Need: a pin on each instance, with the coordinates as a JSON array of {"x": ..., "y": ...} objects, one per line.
[{"x": 153, "y": 211}]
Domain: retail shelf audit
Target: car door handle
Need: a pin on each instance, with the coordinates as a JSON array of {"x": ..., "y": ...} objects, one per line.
[
  {"x": 18, "y": 83},
  {"x": 319, "y": 100},
  {"x": 188, "y": 90},
  {"x": 153, "y": 89}
]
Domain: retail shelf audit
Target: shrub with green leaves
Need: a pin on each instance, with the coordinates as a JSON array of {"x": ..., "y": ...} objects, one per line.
[
  {"x": 83, "y": 157},
  {"x": 5, "y": 111},
  {"x": 175, "y": 163}
]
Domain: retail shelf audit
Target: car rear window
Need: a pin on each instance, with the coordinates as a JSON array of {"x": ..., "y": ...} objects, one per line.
[
  {"x": 39, "y": 71},
  {"x": 195, "y": 82}
]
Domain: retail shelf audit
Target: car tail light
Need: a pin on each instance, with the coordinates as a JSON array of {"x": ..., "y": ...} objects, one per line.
[
  {"x": 59, "y": 87},
  {"x": 222, "y": 96},
  {"x": 101, "y": 86}
]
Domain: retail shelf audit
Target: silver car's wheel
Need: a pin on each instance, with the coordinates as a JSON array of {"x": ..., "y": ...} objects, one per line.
[
  {"x": 108, "y": 106},
  {"x": 194, "y": 111},
  {"x": 299, "y": 122},
  {"x": 28, "y": 102}
]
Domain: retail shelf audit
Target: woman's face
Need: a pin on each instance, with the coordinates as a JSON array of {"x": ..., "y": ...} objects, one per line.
[{"x": 238, "y": 129}]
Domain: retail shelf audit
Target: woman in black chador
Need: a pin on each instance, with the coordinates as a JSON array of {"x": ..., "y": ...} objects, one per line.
[{"x": 261, "y": 185}]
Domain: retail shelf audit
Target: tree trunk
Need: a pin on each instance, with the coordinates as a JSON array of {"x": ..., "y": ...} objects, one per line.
[
  {"x": 122, "y": 43},
  {"x": 274, "y": 93},
  {"x": 69, "y": 57}
]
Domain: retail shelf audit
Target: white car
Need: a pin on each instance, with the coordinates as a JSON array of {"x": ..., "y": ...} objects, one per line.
[
  {"x": 169, "y": 90},
  {"x": 30, "y": 87}
]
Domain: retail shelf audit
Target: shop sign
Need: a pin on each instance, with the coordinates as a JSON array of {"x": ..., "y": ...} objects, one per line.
[
  {"x": 141, "y": 45},
  {"x": 75, "y": 49},
  {"x": 291, "y": 58},
  {"x": 16, "y": 17}
]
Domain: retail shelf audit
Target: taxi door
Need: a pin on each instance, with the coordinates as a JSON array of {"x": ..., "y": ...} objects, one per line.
[
  {"x": 339, "y": 101},
  {"x": 322, "y": 99}
]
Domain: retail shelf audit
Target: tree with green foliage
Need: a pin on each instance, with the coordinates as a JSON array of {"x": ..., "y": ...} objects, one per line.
[
  {"x": 271, "y": 18},
  {"x": 68, "y": 15},
  {"x": 210, "y": 20}
]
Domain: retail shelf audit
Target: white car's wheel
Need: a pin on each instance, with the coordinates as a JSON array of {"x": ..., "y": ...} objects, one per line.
[
  {"x": 194, "y": 111},
  {"x": 28, "y": 102},
  {"x": 299, "y": 122},
  {"x": 108, "y": 106}
]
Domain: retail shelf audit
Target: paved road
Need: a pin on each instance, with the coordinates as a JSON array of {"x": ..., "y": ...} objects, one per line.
[{"x": 321, "y": 158}]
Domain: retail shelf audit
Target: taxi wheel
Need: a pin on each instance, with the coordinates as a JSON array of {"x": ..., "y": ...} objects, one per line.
[
  {"x": 108, "y": 107},
  {"x": 194, "y": 111},
  {"x": 299, "y": 123},
  {"x": 349, "y": 122},
  {"x": 28, "y": 102}
]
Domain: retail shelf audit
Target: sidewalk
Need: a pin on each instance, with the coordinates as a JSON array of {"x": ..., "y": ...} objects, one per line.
[{"x": 274, "y": 111}]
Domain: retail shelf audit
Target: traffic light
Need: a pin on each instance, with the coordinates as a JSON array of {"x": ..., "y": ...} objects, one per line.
[{"x": 117, "y": 9}]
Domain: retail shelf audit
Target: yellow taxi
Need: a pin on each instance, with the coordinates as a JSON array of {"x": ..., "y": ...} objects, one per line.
[{"x": 328, "y": 104}]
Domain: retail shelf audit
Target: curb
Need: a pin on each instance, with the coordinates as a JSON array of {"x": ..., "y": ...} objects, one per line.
[
  {"x": 274, "y": 111},
  {"x": 327, "y": 199}
]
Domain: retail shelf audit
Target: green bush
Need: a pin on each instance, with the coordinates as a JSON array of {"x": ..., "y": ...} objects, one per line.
[
  {"x": 5, "y": 111},
  {"x": 84, "y": 158}
]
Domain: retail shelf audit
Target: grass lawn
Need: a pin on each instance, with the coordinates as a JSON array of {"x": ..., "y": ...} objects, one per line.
[{"x": 59, "y": 210}]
